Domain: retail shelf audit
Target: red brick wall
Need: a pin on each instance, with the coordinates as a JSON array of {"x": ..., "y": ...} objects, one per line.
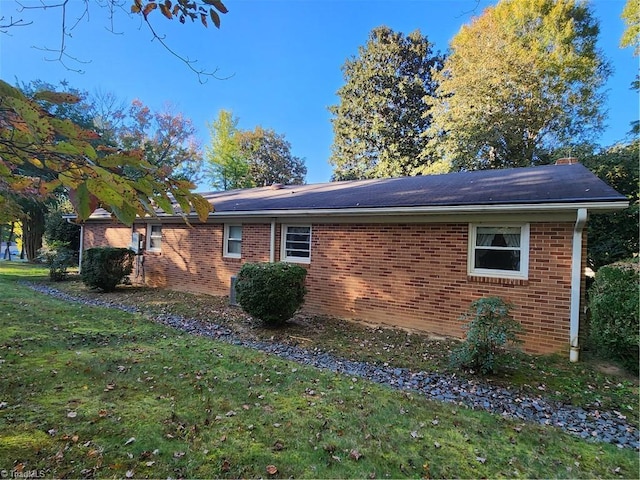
[
  {"x": 191, "y": 258},
  {"x": 413, "y": 276}
]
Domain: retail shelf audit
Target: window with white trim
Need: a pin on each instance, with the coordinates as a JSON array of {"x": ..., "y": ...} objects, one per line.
[
  {"x": 296, "y": 243},
  {"x": 154, "y": 237},
  {"x": 500, "y": 251},
  {"x": 232, "y": 241}
]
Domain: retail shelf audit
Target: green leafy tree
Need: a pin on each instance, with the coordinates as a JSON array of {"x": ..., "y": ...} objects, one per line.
[
  {"x": 40, "y": 153},
  {"x": 380, "y": 121},
  {"x": 522, "y": 78},
  {"x": 226, "y": 166},
  {"x": 58, "y": 229},
  {"x": 614, "y": 236},
  {"x": 241, "y": 158},
  {"x": 631, "y": 17},
  {"x": 631, "y": 38},
  {"x": 270, "y": 159}
]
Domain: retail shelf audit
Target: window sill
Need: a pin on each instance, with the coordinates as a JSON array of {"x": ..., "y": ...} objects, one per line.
[
  {"x": 303, "y": 261},
  {"x": 521, "y": 282}
]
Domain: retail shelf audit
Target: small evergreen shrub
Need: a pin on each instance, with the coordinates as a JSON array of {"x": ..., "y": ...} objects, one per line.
[
  {"x": 491, "y": 333},
  {"x": 58, "y": 257},
  {"x": 614, "y": 309},
  {"x": 104, "y": 268},
  {"x": 271, "y": 292}
]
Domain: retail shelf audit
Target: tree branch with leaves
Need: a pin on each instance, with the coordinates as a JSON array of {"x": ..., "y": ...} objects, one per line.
[
  {"x": 72, "y": 13},
  {"x": 40, "y": 153}
]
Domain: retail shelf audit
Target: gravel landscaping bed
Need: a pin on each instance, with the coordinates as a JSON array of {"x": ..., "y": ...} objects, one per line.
[{"x": 603, "y": 426}]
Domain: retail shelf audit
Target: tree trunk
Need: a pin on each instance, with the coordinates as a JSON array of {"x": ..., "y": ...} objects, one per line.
[{"x": 33, "y": 231}]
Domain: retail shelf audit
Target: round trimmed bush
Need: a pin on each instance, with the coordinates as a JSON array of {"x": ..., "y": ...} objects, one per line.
[
  {"x": 271, "y": 292},
  {"x": 106, "y": 267}
]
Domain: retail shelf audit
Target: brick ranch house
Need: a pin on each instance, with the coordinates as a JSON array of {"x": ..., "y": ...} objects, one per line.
[{"x": 408, "y": 252}]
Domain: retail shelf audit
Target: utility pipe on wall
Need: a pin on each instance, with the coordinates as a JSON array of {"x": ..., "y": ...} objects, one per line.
[
  {"x": 272, "y": 245},
  {"x": 576, "y": 282}
]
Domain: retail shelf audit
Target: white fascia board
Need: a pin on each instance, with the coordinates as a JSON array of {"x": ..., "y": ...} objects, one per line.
[
  {"x": 381, "y": 212},
  {"x": 429, "y": 210}
]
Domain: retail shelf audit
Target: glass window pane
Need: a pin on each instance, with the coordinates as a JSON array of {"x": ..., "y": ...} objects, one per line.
[
  {"x": 234, "y": 246},
  {"x": 298, "y": 242},
  {"x": 497, "y": 259},
  {"x": 235, "y": 232}
]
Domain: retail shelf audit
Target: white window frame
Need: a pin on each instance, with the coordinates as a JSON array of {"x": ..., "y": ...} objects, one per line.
[
  {"x": 522, "y": 274},
  {"x": 150, "y": 235},
  {"x": 283, "y": 245},
  {"x": 227, "y": 229}
]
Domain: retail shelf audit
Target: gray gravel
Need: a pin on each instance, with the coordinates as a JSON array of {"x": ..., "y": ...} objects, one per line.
[{"x": 594, "y": 425}]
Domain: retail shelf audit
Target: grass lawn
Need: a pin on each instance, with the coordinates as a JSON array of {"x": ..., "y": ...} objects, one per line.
[{"x": 94, "y": 392}]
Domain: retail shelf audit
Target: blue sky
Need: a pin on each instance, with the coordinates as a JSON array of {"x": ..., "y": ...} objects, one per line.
[{"x": 282, "y": 57}]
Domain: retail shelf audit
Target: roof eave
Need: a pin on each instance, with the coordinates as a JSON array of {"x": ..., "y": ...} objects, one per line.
[{"x": 599, "y": 207}]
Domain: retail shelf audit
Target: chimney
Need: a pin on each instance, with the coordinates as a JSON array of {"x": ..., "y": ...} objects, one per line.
[{"x": 567, "y": 161}]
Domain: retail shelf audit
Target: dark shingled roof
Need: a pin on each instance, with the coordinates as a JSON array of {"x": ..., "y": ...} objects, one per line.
[{"x": 534, "y": 185}]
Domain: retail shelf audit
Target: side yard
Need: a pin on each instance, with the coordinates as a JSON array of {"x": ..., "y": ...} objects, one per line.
[{"x": 97, "y": 392}]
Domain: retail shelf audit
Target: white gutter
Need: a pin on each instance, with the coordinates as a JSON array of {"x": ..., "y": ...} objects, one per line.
[
  {"x": 576, "y": 281},
  {"x": 448, "y": 209},
  {"x": 555, "y": 207},
  {"x": 272, "y": 244}
]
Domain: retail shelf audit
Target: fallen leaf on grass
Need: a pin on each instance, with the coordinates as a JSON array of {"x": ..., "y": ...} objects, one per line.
[
  {"x": 72, "y": 414},
  {"x": 355, "y": 454},
  {"x": 481, "y": 459},
  {"x": 178, "y": 454},
  {"x": 226, "y": 466},
  {"x": 130, "y": 441},
  {"x": 129, "y": 474},
  {"x": 272, "y": 469}
]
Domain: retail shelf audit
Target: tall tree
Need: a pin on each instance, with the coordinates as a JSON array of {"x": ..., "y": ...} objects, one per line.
[
  {"x": 226, "y": 166},
  {"x": 242, "y": 158},
  {"x": 523, "y": 77},
  {"x": 614, "y": 236},
  {"x": 631, "y": 17},
  {"x": 631, "y": 38},
  {"x": 270, "y": 159},
  {"x": 167, "y": 139},
  {"x": 380, "y": 121}
]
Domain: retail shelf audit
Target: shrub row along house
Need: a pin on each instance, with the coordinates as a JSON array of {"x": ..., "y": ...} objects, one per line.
[{"x": 408, "y": 252}]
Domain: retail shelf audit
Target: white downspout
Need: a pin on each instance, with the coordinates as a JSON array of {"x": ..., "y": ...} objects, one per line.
[
  {"x": 576, "y": 281},
  {"x": 272, "y": 245},
  {"x": 81, "y": 248},
  {"x": 81, "y": 243}
]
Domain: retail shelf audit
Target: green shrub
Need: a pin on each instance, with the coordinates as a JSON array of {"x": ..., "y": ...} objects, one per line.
[
  {"x": 271, "y": 292},
  {"x": 491, "y": 333},
  {"x": 614, "y": 309},
  {"x": 58, "y": 257},
  {"x": 106, "y": 267}
]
